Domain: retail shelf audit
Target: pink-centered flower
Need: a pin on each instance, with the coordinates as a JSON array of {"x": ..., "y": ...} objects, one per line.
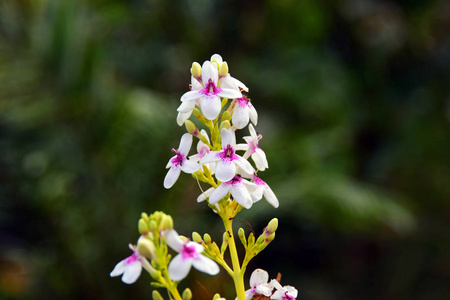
[
  {"x": 189, "y": 255},
  {"x": 259, "y": 284},
  {"x": 243, "y": 112},
  {"x": 287, "y": 292},
  {"x": 239, "y": 188},
  {"x": 252, "y": 149},
  {"x": 227, "y": 160},
  {"x": 130, "y": 267},
  {"x": 180, "y": 162},
  {"x": 210, "y": 93}
]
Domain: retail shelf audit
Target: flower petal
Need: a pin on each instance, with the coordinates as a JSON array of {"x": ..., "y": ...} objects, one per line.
[
  {"x": 210, "y": 157},
  {"x": 211, "y": 107},
  {"x": 185, "y": 143},
  {"x": 189, "y": 166},
  {"x": 182, "y": 117},
  {"x": 205, "y": 194},
  {"x": 260, "y": 159},
  {"x": 228, "y": 138},
  {"x": 119, "y": 268},
  {"x": 240, "y": 116},
  {"x": 244, "y": 165},
  {"x": 191, "y": 95},
  {"x": 206, "y": 265},
  {"x": 186, "y": 106},
  {"x": 241, "y": 195},
  {"x": 209, "y": 72},
  {"x": 179, "y": 267},
  {"x": 217, "y": 57},
  {"x": 225, "y": 170},
  {"x": 132, "y": 272},
  {"x": 270, "y": 196},
  {"x": 259, "y": 276},
  {"x": 229, "y": 93},
  {"x": 171, "y": 177},
  {"x": 292, "y": 291},
  {"x": 253, "y": 114},
  {"x": 220, "y": 192},
  {"x": 173, "y": 240}
]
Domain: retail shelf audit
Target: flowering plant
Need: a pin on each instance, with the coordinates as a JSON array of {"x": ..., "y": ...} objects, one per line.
[{"x": 219, "y": 102}]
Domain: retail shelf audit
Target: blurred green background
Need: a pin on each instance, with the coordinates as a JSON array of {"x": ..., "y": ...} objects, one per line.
[{"x": 354, "y": 105}]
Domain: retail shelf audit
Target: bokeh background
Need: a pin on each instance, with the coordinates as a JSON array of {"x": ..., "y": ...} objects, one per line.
[{"x": 354, "y": 106}]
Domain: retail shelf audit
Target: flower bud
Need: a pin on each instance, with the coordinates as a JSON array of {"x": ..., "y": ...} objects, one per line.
[
  {"x": 191, "y": 128},
  {"x": 152, "y": 225},
  {"x": 202, "y": 138},
  {"x": 272, "y": 226},
  {"x": 196, "y": 70},
  {"x": 144, "y": 216},
  {"x": 207, "y": 238},
  {"x": 223, "y": 69},
  {"x": 142, "y": 227},
  {"x": 241, "y": 234},
  {"x": 156, "y": 295},
  {"x": 217, "y": 297},
  {"x": 224, "y": 243},
  {"x": 225, "y": 124},
  {"x": 206, "y": 170},
  {"x": 226, "y": 116},
  {"x": 187, "y": 294},
  {"x": 166, "y": 223},
  {"x": 196, "y": 237},
  {"x": 146, "y": 247}
]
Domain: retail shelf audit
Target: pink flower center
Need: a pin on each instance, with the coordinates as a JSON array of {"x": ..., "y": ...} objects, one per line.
[
  {"x": 189, "y": 252},
  {"x": 243, "y": 102},
  {"x": 258, "y": 181},
  {"x": 131, "y": 259},
  {"x": 288, "y": 297},
  {"x": 236, "y": 180},
  {"x": 210, "y": 89},
  {"x": 178, "y": 159},
  {"x": 227, "y": 154}
]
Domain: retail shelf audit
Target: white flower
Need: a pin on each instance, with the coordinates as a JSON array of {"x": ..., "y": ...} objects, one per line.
[
  {"x": 189, "y": 255},
  {"x": 210, "y": 93},
  {"x": 259, "y": 284},
  {"x": 205, "y": 194},
  {"x": 252, "y": 149},
  {"x": 243, "y": 112},
  {"x": 240, "y": 189},
  {"x": 287, "y": 292},
  {"x": 227, "y": 159},
  {"x": 263, "y": 189},
  {"x": 130, "y": 267},
  {"x": 180, "y": 162}
]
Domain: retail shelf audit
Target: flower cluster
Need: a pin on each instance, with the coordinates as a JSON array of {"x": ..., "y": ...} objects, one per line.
[
  {"x": 212, "y": 87},
  {"x": 220, "y": 104}
]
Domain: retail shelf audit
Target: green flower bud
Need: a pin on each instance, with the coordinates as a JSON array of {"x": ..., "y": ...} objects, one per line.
[
  {"x": 206, "y": 170},
  {"x": 144, "y": 216},
  {"x": 156, "y": 295},
  {"x": 207, "y": 238},
  {"x": 152, "y": 225},
  {"x": 187, "y": 294},
  {"x": 224, "y": 243},
  {"x": 142, "y": 226},
  {"x": 146, "y": 248},
  {"x": 166, "y": 223},
  {"x": 196, "y": 70},
  {"x": 191, "y": 128},
  {"x": 217, "y": 297},
  {"x": 223, "y": 69},
  {"x": 272, "y": 226},
  {"x": 226, "y": 116},
  {"x": 225, "y": 124},
  {"x": 196, "y": 237},
  {"x": 241, "y": 234}
]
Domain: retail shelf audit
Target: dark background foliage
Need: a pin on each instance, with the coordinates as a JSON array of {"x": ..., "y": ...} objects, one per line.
[{"x": 353, "y": 103}]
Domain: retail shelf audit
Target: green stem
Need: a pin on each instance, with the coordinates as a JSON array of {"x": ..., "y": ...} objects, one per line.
[{"x": 238, "y": 274}]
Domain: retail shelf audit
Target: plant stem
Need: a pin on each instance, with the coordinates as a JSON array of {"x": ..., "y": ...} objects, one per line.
[{"x": 238, "y": 275}]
